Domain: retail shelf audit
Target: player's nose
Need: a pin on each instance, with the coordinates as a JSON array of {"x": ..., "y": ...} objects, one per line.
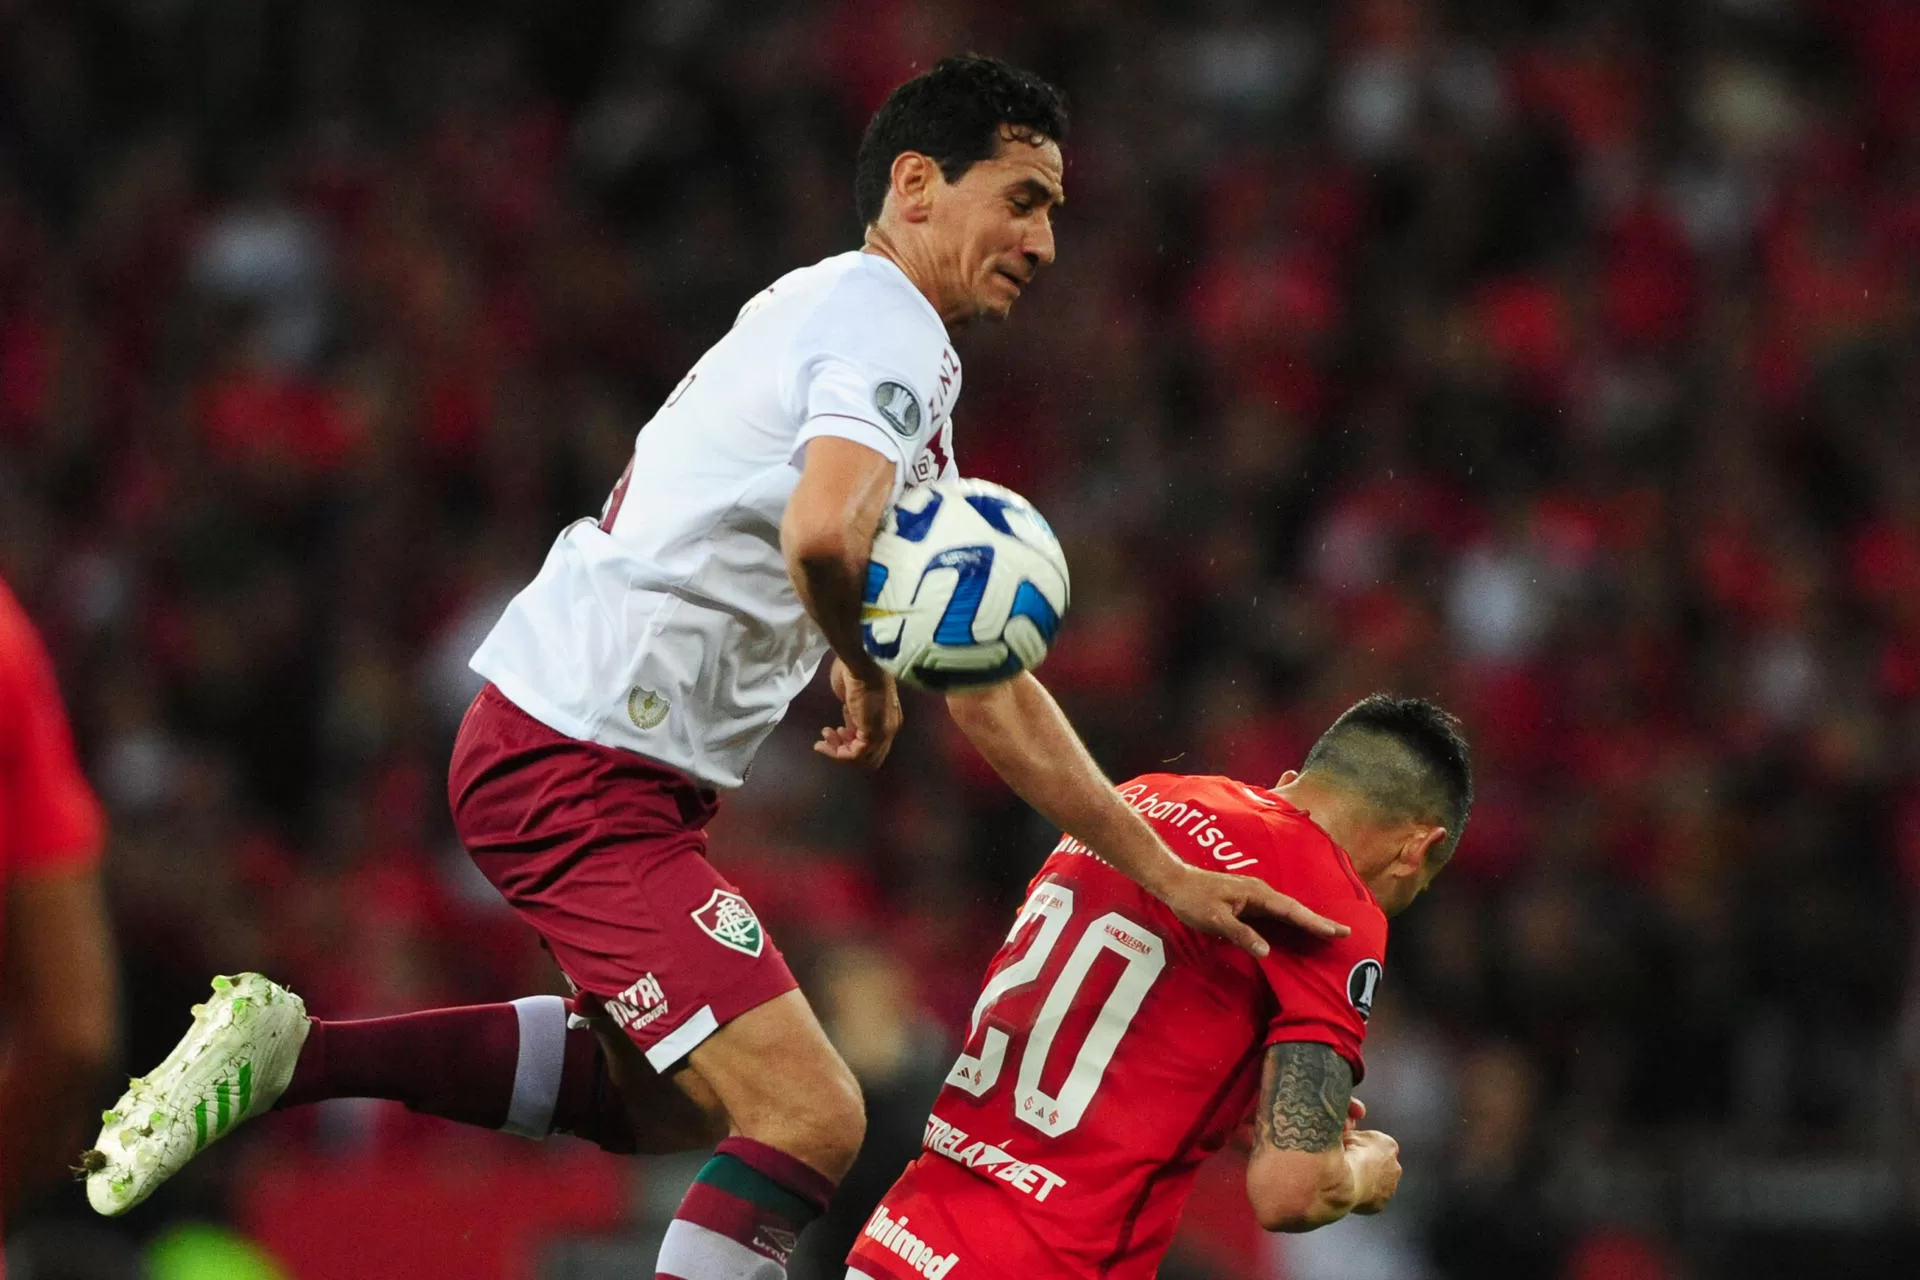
[{"x": 1038, "y": 249}]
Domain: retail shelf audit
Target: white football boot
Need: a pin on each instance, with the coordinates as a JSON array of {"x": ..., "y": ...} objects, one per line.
[{"x": 233, "y": 1063}]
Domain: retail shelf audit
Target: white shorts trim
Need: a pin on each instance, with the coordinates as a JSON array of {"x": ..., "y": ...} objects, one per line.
[
  {"x": 683, "y": 1039},
  {"x": 536, "y": 1071}
]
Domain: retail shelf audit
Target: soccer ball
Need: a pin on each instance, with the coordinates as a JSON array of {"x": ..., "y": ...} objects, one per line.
[{"x": 966, "y": 586}]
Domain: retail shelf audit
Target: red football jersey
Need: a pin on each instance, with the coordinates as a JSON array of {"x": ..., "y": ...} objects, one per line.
[
  {"x": 1113, "y": 1049},
  {"x": 49, "y": 818}
]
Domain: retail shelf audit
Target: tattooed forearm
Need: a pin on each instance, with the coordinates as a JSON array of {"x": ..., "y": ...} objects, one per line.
[{"x": 1303, "y": 1098}]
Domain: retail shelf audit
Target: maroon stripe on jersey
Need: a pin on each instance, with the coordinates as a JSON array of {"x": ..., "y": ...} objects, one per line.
[
  {"x": 1193, "y": 1135},
  {"x": 617, "y": 497},
  {"x": 850, "y": 418}
]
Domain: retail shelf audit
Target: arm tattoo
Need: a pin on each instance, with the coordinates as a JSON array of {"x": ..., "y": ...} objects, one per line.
[{"x": 1304, "y": 1104}]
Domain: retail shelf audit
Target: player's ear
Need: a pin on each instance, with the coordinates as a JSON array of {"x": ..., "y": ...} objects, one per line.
[
  {"x": 1420, "y": 842},
  {"x": 913, "y": 179},
  {"x": 1286, "y": 779}
]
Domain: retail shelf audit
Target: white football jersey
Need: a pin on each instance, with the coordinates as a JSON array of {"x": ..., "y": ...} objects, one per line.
[{"x": 668, "y": 626}]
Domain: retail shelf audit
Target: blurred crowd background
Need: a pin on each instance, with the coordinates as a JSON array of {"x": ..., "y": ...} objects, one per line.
[{"x": 1553, "y": 358}]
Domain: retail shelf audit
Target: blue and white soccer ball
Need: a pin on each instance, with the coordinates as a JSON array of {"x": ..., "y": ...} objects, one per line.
[{"x": 966, "y": 586}]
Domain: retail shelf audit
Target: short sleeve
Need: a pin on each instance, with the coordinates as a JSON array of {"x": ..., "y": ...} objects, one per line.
[
  {"x": 1323, "y": 989},
  {"x": 869, "y": 367},
  {"x": 880, "y": 408},
  {"x": 49, "y": 816},
  {"x": 1314, "y": 995}
]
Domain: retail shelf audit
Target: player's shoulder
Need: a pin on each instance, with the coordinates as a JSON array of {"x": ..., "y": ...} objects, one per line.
[
  {"x": 1318, "y": 869},
  {"x": 27, "y": 685},
  {"x": 861, "y": 305},
  {"x": 1222, "y": 792},
  {"x": 13, "y": 615},
  {"x": 19, "y": 644},
  {"x": 1160, "y": 795},
  {"x": 1265, "y": 835}
]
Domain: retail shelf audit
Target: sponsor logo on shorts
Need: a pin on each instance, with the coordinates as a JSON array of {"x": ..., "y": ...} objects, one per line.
[
  {"x": 892, "y": 1235},
  {"x": 729, "y": 921},
  {"x": 640, "y": 1005},
  {"x": 947, "y": 1140}
]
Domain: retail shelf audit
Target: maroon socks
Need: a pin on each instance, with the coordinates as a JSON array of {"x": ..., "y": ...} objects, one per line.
[
  {"x": 517, "y": 1067},
  {"x": 513, "y": 1066},
  {"x": 743, "y": 1215}
]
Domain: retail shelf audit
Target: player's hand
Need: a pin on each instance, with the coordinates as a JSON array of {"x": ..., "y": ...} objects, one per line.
[
  {"x": 1243, "y": 1137},
  {"x": 1375, "y": 1160},
  {"x": 872, "y": 711},
  {"x": 1219, "y": 903},
  {"x": 1356, "y": 1112}
]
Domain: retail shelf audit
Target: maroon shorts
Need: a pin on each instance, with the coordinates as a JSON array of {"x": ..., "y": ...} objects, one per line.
[{"x": 602, "y": 851}]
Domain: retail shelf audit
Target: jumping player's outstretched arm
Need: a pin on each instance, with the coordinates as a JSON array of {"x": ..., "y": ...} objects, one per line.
[
  {"x": 1025, "y": 736},
  {"x": 826, "y": 536},
  {"x": 1311, "y": 1164}
]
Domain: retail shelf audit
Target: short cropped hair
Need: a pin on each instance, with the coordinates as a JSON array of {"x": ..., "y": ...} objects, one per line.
[
  {"x": 1407, "y": 757},
  {"x": 952, "y": 113}
]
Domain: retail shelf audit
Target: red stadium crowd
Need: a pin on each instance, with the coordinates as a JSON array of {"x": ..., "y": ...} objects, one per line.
[{"x": 1552, "y": 360}]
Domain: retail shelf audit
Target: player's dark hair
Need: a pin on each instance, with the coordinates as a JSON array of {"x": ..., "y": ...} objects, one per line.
[
  {"x": 953, "y": 113},
  {"x": 1407, "y": 756}
]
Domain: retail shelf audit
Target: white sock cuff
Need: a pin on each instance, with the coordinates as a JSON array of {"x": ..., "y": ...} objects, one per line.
[
  {"x": 536, "y": 1073},
  {"x": 690, "y": 1249}
]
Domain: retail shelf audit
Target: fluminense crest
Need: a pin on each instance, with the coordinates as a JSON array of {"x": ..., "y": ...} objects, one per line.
[{"x": 729, "y": 920}]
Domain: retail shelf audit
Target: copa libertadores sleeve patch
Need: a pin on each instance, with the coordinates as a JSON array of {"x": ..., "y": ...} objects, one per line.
[
  {"x": 896, "y": 402},
  {"x": 1362, "y": 982}
]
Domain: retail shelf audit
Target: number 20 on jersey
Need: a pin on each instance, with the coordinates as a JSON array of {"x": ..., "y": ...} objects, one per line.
[{"x": 1050, "y": 911}]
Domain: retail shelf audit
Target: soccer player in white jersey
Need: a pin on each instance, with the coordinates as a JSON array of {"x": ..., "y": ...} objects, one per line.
[{"x": 633, "y": 680}]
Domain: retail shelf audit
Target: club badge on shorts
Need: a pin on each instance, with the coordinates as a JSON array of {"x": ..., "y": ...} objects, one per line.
[{"x": 729, "y": 921}]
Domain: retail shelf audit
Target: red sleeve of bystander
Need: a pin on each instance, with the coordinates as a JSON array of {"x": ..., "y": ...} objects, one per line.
[{"x": 49, "y": 817}]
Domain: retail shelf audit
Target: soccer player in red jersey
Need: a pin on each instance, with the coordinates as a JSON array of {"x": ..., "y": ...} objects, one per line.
[
  {"x": 1113, "y": 1048},
  {"x": 56, "y": 983}
]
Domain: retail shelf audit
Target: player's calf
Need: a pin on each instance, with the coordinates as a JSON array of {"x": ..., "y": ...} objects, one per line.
[
  {"x": 798, "y": 1122},
  {"x": 676, "y": 1112},
  {"x": 517, "y": 1067}
]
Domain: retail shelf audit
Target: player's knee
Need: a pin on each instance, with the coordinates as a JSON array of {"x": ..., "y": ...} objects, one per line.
[
  {"x": 843, "y": 1120},
  {"x": 822, "y": 1121},
  {"x": 783, "y": 1084},
  {"x": 839, "y": 1125}
]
